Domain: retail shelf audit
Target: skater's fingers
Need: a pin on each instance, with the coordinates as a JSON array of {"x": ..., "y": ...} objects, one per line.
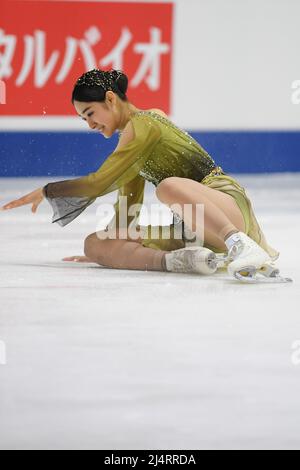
[
  {"x": 77, "y": 259},
  {"x": 14, "y": 204},
  {"x": 72, "y": 258},
  {"x": 34, "y": 208}
]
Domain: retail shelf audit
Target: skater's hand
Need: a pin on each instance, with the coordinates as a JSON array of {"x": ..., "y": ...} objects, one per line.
[
  {"x": 35, "y": 198},
  {"x": 78, "y": 259}
]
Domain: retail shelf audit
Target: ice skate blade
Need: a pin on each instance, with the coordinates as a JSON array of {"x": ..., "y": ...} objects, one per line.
[{"x": 251, "y": 275}]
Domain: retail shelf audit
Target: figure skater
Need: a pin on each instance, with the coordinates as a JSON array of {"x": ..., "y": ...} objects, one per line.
[{"x": 153, "y": 148}]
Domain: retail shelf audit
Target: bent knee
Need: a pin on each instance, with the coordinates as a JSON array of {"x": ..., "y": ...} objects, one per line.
[
  {"x": 167, "y": 186},
  {"x": 88, "y": 244},
  {"x": 92, "y": 243}
]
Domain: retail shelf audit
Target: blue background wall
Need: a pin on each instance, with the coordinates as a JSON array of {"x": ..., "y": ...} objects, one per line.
[{"x": 76, "y": 154}]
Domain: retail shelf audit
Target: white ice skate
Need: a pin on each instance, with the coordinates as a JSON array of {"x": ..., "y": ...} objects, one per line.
[
  {"x": 198, "y": 260},
  {"x": 245, "y": 265},
  {"x": 248, "y": 262}
]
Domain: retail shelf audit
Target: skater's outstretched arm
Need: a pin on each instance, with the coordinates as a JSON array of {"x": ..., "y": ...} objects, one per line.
[
  {"x": 70, "y": 198},
  {"x": 119, "y": 168}
]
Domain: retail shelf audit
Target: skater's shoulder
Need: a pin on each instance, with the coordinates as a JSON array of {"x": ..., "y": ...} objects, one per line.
[
  {"x": 126, "y": 136},
  {"x": 159, "y": 111},
  {"x": 129, "y": 133}
]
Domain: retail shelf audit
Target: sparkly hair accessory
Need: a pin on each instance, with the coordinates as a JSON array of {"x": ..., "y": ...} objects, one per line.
[{"x": 107, "y": 80}]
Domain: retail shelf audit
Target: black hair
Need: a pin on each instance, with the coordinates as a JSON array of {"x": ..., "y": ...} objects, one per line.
[{"x": 93, "y": 85}]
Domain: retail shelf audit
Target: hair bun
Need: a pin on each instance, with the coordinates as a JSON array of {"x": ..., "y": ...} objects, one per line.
[
  {"x": 93, "y": 85},
  {"x": 120, "y": 79}
]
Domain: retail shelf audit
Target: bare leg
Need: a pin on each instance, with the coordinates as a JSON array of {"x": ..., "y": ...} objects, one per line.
[
  {"x": 123, "y": 254},
  {"x": 222, "y": 215}
]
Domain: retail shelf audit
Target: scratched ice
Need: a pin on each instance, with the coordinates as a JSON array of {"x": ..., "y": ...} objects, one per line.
[{"x": 111, "y": 359}]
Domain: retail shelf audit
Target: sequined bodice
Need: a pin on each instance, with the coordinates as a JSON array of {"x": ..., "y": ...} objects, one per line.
[{"x": 176, "y": 154}]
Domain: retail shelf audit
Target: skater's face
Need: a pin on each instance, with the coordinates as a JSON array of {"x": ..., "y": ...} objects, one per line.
[{"x": 102, "y": 117}]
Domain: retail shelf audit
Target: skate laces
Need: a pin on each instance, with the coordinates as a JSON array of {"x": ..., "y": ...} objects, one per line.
[
  {"x": 244, "y": 247},
  {"x": 183, "y": 260},
  {"x": 186, "y": 260},
  {"x": 235, "y": 250}
]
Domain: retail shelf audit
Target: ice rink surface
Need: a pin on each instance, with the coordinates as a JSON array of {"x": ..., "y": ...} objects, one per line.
[{"x": 98, "y": 358}]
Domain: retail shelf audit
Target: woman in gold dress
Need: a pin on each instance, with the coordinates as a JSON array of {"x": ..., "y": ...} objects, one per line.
[{"x": 151, "y": 148}]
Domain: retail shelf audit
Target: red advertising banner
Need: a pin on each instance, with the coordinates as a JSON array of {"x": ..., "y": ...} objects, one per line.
[{"x": 45, "y": 46}]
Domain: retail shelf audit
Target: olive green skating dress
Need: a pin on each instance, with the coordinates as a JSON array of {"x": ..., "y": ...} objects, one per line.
[{"x": 160, "y": 150}]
